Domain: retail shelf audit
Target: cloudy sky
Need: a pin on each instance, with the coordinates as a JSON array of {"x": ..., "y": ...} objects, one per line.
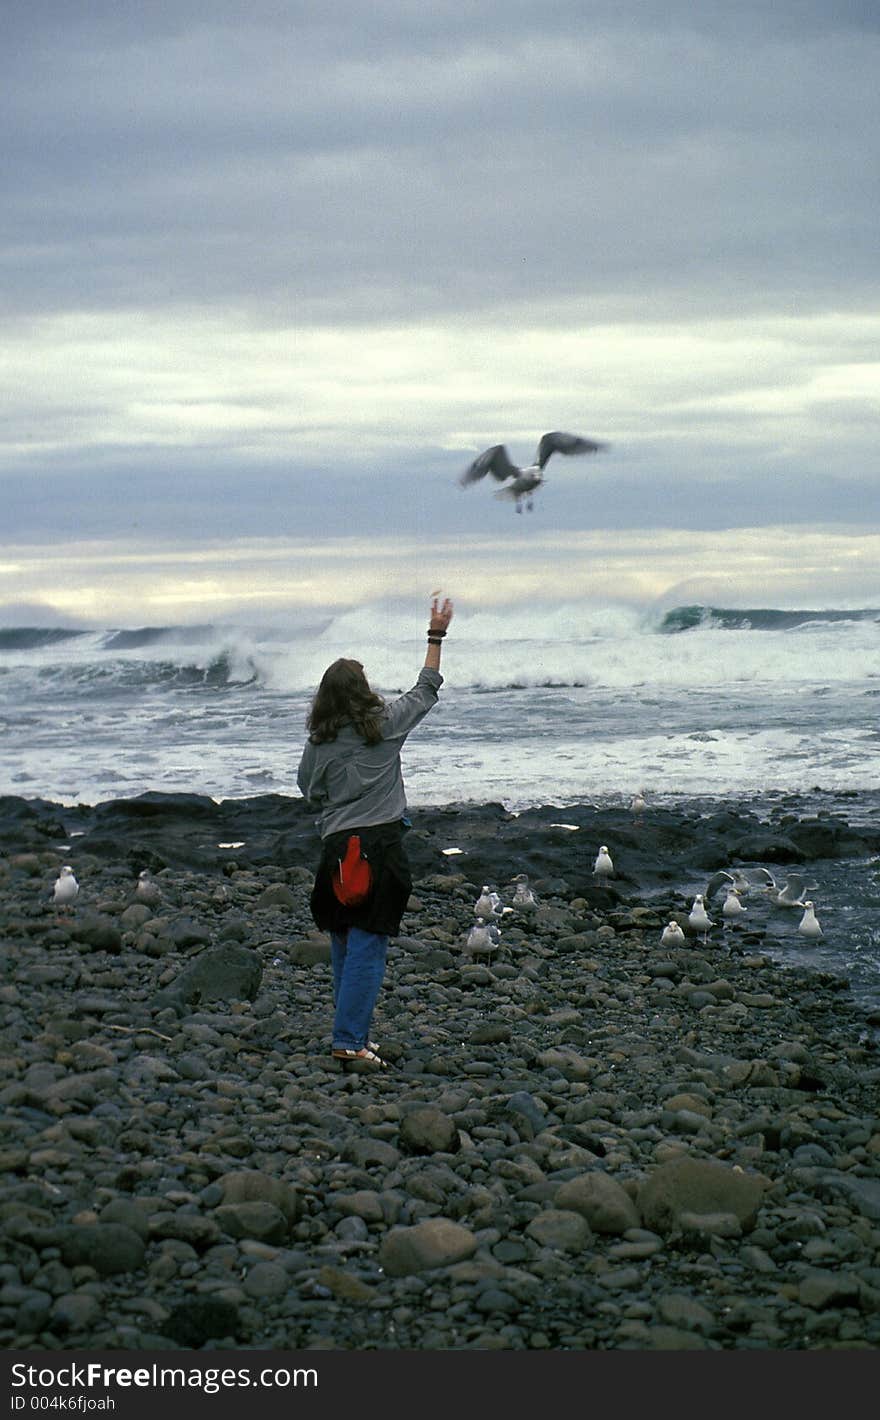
[{"x": 275, "y": 272}]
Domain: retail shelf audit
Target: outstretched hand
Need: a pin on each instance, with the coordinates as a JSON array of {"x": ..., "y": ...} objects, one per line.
[{"x": 441, "y": 613}]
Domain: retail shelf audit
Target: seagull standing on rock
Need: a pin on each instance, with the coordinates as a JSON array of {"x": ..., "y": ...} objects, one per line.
[
  {"x": 147, "y": 890},
  {"x": 637, "y": 805},
  {"x": 487, "y": 903},
  {"x": 66, "y": 889},
  {"x": 699, "y": 918},
  {"x": 524, "y": 481},
  {"x": 523, "y": 897},
  {"x": 482, "y": 939},
  {"x": 603, "y": 866},
  {"x": 672, "y": 935}
]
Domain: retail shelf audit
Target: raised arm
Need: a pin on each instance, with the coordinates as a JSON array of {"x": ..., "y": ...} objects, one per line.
[
  {"x": 441, "y": 615},
  {"x": 411, "y": 707}
]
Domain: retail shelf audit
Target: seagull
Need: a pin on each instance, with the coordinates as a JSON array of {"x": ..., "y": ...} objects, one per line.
[
  {"x": 672, "y": 935},
  {"x": 699, "y": 917},
  {"x": 483, "y": 938},
  {"x": 637, "y": 805},
  {"x": 721, "y": 879},
  {"x": 487, "y": 903},
  {"x": 66, "y": 887},
  {"x": 147, "y": 889},
  {"x": 791, "y": 895},
  {"x": 523, "y": 897},
  {"x": 732, "y": 905},
  {"x": 603, "y": 866},
  {"x": 524, "y": 481},
  {"x": 743, "y": 879},
  {"x": 808, "y": 925}
]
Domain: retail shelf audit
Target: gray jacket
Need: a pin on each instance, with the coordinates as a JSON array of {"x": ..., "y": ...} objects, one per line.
[{"x": 355, "y": 785}]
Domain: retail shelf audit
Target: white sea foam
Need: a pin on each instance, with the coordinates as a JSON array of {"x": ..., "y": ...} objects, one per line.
[
  {"x": 600, "y": 646},
  {"x": 539, "y": 705}
]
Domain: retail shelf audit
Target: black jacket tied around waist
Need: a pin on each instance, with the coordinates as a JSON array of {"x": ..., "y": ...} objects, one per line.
[{"x": 382, "y": 846}]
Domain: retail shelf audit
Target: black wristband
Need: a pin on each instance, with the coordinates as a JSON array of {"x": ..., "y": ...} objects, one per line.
[
  {"x": 432, "y": 632},
  {"x": 434, "y": 641}
]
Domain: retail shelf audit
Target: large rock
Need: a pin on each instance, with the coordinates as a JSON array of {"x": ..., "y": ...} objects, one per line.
[
  {"x": 601, "y": 1200},
  {"x": 196, "y": 1320},
  {"x": 561, "y": 1229},
  {"x": 437, "y": 1242},
  {"x": 259, "y": 1220},
  {"x": 97, "y": 931},
  {"x": 108, "y": 1247},
  {"x": 226, "y": 973},
  {"x": 427, "y": 1130},
  {"x": 861, "y": 1194},
  {"x": 252, "y": 1186},
  {"x": 309, "y": 951},
  {"x": 277, "y": 895},
  {"x": 698, "y": 1186}
]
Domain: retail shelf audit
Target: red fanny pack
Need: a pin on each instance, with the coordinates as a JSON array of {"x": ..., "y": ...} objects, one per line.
[{"x": 352, "y": 876}]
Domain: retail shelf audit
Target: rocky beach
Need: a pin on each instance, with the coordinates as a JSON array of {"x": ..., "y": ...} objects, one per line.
[{"x": 585, "y": 1140}]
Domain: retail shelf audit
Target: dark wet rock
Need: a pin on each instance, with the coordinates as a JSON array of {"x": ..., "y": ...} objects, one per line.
[
  {"x": 699, "y": 1186},
  {"x": 254, "y": 1186},
  {"x": 528, "y": 1114},
  {"x": 197, "y": 1320},
  {"x": 601, "y": 1200},
  {"x": 253, "y": 1220},
  {"x": 427, "y": 1130},
  {"x": 226, "y": 973},
  {"x": 108, "y": 1247},
  {"x": 560, "y": 1228},
  {"x": 99, "y": 932},
  {"x": 183, "y": 932}
]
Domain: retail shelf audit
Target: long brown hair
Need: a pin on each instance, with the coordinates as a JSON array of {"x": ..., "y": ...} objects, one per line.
[{"x": 344, "y": 697}]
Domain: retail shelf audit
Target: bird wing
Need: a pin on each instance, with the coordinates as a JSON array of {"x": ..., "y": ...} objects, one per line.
[
  {"x": 794, "y": 885},
  {"x": 793, "y": 893},
  {"x": 716, "y": 881},
  {"x": 494, "y": 461},
  {"x": 559, "y": 443}
]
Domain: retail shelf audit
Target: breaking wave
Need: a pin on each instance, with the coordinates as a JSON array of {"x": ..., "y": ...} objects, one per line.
[{"x": 539, "y": 646}]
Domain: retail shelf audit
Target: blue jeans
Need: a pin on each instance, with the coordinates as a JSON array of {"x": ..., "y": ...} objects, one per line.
[{"x": 358, "y": 959}]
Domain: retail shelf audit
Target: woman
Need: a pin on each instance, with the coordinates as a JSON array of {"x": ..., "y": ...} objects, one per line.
[{"x": 350, "y": 771}]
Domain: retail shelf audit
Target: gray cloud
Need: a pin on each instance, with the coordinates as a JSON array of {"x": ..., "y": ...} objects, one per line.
[
  {"x": 359, "y": 163},
  {"x": 192, "y": 191}
]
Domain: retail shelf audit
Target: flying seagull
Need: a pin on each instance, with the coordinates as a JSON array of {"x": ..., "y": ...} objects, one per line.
[{"x": 524, "y": 481}]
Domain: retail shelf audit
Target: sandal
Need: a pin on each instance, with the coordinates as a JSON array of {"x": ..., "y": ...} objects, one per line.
[{"x": 366, "y": 1056}]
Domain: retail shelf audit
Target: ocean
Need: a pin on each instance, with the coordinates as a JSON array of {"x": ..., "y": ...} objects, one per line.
[{"x": 550, "y": 705}]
